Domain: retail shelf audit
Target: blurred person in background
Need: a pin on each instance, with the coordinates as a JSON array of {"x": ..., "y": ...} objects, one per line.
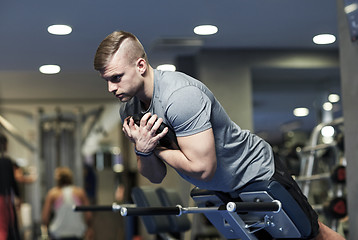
[
  {"x": 8, "y": 193},
  {"x": 66, "y": 224}
]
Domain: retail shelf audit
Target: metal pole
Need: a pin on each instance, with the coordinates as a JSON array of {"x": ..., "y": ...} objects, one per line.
[{"x": 78, "y": 146}]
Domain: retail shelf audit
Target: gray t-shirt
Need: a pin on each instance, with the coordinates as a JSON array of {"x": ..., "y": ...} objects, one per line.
[{"x": 189, "y": 107}]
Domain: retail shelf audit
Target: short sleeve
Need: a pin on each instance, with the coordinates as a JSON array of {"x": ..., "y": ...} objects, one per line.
[{"x": 188, "y": 111}]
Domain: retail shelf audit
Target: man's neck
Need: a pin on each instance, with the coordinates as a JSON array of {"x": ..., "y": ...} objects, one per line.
[{"x": 148, "y": 88}]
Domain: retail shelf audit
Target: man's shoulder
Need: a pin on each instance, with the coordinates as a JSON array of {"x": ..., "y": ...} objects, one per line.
[
  {"x": 169, "y": 83},
  {"x": 171, "y": 78}
]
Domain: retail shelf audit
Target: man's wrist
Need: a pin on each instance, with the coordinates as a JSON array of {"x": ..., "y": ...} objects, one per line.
[{"x": 143, "y": 154}]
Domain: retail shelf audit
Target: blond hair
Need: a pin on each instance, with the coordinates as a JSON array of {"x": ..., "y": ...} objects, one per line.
[{"x": 110, "y": 45}]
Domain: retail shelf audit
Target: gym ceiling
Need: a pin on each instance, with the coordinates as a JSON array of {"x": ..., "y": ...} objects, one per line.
[{"x": 164, "y": 27}]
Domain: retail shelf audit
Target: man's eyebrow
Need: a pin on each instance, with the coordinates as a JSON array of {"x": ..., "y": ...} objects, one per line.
[{"x": 113, "y": 77}]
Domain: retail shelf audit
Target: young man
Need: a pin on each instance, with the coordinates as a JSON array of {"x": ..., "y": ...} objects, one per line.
[{"x": 212, "y": 153}]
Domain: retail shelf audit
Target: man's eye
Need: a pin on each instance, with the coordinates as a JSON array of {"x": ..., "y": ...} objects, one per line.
[{"x": 116, "y": 79}]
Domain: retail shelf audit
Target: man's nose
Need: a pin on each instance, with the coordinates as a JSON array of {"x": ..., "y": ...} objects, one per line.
[{"x": 112, "y": 87}]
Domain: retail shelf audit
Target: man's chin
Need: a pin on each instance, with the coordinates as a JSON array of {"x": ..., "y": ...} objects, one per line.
[{"x": 124, "y": 99}]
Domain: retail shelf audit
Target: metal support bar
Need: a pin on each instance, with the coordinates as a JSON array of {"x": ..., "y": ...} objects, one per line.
[
  {"x": 132, "y": 210},
  {"x": 198, "y": 209},
  {"x": 274, "y": 206},
  {"x": 145, "y": 211},
  {"x": 114, "y": 208},
  {"x": 313, "y": 177},
  {"x": 257, "y": 226},
  {"x": 97, "y": 114},
  {"x": 12, "y": 130},
  {"x": 308, "y": 149},
  {"x": 92, "y": 209}
]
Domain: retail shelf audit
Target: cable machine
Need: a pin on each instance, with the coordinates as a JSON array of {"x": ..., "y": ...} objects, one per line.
[
  {"x": 322, "y": 175},
  {"x": 59, "y": 140}
]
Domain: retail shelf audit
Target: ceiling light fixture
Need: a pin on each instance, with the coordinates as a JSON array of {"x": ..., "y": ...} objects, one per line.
[
  {"x": 350, "y": 8},
  {"x": 301, "y": 112},
  {"x": 50, "y": 69},
  {"x": 205, "y": 30},
  {"x": 324, "y": 39},
  {"x": 333, "y": 98},
  {"x": 59, "y": 29},
  {"x": 327, "y": 131},
  {"x": 327, "y": 106},
  {"x": 167, "y": 67}
]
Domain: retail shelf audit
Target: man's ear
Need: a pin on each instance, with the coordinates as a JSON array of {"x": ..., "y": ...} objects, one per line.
[{"x": 141, "y": 65}]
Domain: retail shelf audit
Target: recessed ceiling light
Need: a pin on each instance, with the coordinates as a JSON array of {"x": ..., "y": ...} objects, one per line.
[
  {"x": 324, "y": 39},
  {"x": 327, "y": 131},
  {"x": 350, "y": 8},
  {"x": 327, "y": 106},
  {"x": 301, "y": 112},
  {"x": 50, "y": 69},
  {"x": 333, "y": 98},
  {"x": 205, "y": 30},
  {"x": 59, "y": 29},
  {"x": 167, "y": 67}
]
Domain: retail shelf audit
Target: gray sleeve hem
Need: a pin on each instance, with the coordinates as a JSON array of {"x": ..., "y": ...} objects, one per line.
[{"x": 195, "y": 131}]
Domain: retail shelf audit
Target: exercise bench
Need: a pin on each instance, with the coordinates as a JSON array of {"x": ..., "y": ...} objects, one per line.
[{"x": 263, "y": 205}]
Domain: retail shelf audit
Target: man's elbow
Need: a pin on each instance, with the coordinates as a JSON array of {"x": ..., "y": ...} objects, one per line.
[
  {"x": 207, "y": 174},
  {"x": 155, "y": 178}
]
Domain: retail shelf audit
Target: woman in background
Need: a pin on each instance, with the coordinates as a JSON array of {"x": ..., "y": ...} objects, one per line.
[{"x": 66, "y": 224}]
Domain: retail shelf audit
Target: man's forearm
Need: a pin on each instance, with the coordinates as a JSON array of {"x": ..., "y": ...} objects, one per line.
[
  {"x": 152, "y": 168},
  {"x": 178, "y": 160}
]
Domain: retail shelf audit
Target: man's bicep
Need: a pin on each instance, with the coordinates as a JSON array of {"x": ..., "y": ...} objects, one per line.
[{"x": 199, "y": 148}]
